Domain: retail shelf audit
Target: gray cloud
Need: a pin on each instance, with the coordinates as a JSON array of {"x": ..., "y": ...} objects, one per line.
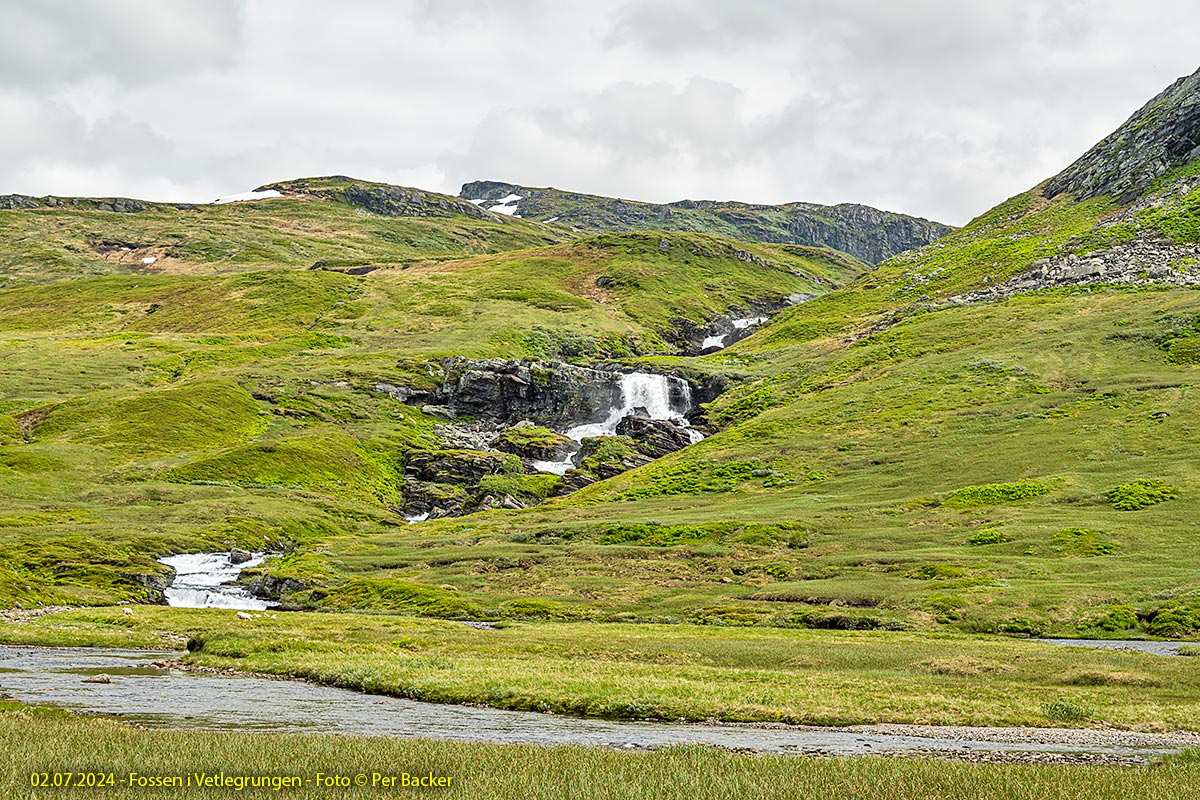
[{"x": 934, "y": 107}]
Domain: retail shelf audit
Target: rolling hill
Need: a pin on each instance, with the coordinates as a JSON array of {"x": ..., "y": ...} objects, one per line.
[{"x": 992, "y": 433}]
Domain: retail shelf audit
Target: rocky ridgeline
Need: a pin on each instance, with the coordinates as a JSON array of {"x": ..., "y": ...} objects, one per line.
[
  {"x": 385, "y": 199},
  {"x": 1163, "y": 134},
  {"x": 119, "y": 205},
  {"x": 1146, "y": 258},
  {"x": 866, "y": 233}
]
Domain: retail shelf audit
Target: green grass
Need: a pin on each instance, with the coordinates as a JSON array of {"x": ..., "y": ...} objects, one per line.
[
  {"x": 694, "y": 672},
  {"x": 44, "y": 741}
]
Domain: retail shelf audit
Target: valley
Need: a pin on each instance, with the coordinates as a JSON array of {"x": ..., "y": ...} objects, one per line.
[{"x": 588, "y": 467}]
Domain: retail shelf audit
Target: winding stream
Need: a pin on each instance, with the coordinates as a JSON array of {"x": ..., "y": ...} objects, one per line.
[{"x": 148, "y": 695}]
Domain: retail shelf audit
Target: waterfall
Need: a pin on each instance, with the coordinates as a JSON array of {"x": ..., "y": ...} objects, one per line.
[
  {"x": 206, "y": 580},
  {"x": 663, "y": 397}
]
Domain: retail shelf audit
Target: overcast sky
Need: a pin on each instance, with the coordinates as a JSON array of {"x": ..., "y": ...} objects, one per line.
[{"x": 939, "y": 108}]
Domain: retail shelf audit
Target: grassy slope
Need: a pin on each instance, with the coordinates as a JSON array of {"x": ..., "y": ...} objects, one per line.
[
  {"x": 829, "y": 499},
  {"x": 67, "y": 242},
  {"x": 146, "y": 414}
]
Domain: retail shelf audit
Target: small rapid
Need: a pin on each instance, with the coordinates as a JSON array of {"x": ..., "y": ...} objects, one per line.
[{"x": 207, "y": 580}]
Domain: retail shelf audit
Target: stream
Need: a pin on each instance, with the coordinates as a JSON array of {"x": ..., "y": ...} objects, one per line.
[
  {"x": 206, "y": 580},
  {"x": 153, "y": 696}
]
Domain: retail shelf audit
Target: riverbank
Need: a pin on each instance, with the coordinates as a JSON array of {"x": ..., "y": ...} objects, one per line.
[
  {"x": 669, "y": 672},
  {"x": 166, "y": 693},
  {"x": 44, "y": 741}
]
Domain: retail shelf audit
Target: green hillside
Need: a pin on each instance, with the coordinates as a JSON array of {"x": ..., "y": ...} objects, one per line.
[{"x": 992, "y": 434}]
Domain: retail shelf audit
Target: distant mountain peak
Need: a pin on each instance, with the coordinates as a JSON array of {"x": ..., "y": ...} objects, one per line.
[
  {"x": 866, "y": 233},
  {"x": 1162, "y": 135}
]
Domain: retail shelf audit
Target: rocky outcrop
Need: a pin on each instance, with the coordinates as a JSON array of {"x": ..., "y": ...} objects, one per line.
[
  {"x": 119, "y": 205},
  {"x": 454, "y": 466},
  {"x": 533, "y": 442},
  {"x": 1163, "y": 134},
  {"x": 1139, "y": 262},
  {"x": 732, "y": 326},
  {"x": 654, "y": 437},
  {"x": 382, "y": 198},
  {"x": 866, "y": 233},
  {"x": 510, "y": 391}
]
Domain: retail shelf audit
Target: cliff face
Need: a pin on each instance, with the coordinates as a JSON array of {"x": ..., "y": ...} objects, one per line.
[
  {"x": 866, "y": 233},
  {"x": 1163, "y": 134}
]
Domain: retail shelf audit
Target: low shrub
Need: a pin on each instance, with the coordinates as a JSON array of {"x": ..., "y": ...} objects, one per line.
[
  {"x": 1067, "y": 710},
  {"x": 991, "y": 494},
  {"x": 989, "y": 536},
  {"x": 1139, "y": 494},
  {"x": 1083, "y": 542}
]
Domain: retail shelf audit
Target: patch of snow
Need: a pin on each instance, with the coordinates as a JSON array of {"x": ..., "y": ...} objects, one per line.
[
  {"x": 149, "y": 260},
  {"x": 480, "y": 201},
  {"x": 244, "y": 196},
  {"x": 124, "y": 249},
  {"x": 552, "y": 219},
  {"x": 506, "y": 205}
]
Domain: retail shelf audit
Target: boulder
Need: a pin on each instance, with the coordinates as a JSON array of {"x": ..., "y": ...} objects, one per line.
[
  {"x": 239, "y": 556},
  {"x": 654, "y": 437}
]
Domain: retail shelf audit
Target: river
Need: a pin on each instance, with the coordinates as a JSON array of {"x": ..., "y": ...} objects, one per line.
[{"x": 154, "y": 696}]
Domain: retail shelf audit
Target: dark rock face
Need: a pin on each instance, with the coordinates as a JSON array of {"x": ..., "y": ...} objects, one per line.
[
  {"x": 654, "y": 437},
  {"x": 511, "y": 391},
  {"x": 269, "y": 587},
  {"x": 1163, "y": 134},
  {"x": 120, "y": 205},
  {"x": 866, "y": 233}
]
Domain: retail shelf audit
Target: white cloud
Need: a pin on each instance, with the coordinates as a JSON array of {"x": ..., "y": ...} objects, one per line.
[{"x": 934, "y": 107}]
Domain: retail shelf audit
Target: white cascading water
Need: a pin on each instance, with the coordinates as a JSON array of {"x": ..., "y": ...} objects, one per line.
[
  {"x": 738, "y": 324},
  {"x": 206, "y": 580},
  {"x": 638, "y": 390}
]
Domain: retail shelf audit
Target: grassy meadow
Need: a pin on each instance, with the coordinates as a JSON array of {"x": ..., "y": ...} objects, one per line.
[
  {"x": 672, "y": 672},
  {"x": 45, "y": 741}
]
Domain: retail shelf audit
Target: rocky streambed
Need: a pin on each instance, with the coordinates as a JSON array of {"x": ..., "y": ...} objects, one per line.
[{"x": 155, "y": 689}]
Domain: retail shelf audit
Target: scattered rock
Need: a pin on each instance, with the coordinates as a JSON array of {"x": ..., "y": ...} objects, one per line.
[
  {"x": 239, "y": 556},
  {"x": 101, "y": 678}
]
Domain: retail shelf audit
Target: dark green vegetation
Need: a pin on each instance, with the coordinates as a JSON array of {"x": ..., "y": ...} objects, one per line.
[
  {"x": 863, "y": 232},
  {"x": 39, "y": 740}
]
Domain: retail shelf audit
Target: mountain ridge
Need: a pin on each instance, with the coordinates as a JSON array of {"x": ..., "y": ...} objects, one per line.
[{"x": 867, "y": 233}]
